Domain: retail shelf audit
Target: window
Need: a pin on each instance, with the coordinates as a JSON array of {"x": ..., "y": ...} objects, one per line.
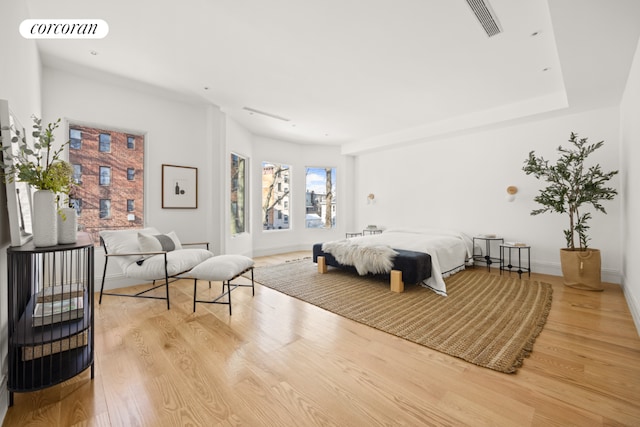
[
  {"x": 320, "y": 197},
  {"x": 105, "y": 175},
  {"x": 130, "y": 205},
  {"x": 273, "y": 196},
  {"x": 76, "y": 204},
  {"x": 105, "y": 208},
  {"x": 75, "y": 139},
  {"x": 131, "y": 142},
  {"x": 238, "y": 183},
  {"x": 77, "y": 174},
  {"x": 105, "y": 142}
]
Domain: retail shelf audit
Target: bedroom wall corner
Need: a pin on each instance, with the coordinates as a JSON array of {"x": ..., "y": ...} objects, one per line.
[
  {"x": 212, "y": 201},
  {"x": 460, "y": 183},
  {"x": 630, "y": 191},
  {"x": 298, "y": 157}
]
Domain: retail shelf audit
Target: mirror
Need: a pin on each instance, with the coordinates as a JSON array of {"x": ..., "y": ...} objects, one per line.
[{"x": 18, "y": 193}]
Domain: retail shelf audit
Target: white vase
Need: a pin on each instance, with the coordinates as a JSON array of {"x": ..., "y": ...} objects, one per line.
[
  {"x": 67, "y": 226},
  {"x": 45, "y": 221}
]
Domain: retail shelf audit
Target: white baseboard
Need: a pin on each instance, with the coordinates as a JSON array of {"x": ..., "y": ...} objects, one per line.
[
  {"x": 282, "y": 250},
  {"x": 634, "y": 306},
  {"x": 608, "y": 275},
  {"x": 114, "y": 281}
]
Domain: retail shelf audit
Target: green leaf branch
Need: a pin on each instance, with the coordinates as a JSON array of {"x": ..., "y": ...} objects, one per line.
[{"x": 39, "y": 165}]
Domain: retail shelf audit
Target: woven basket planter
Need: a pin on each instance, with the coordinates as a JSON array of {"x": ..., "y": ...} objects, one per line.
[{"x": 581, "y": 269}]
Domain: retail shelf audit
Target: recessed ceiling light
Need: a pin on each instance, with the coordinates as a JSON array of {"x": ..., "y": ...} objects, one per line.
[
  {"x": 546, "y": 68},
  {"x": 206, "y": 88},
  {"x": 535, "y": 33},
  {"x": 93, "y": 52}
]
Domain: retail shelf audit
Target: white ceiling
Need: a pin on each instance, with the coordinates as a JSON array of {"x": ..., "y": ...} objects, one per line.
[{"x": 360, "y": 73}]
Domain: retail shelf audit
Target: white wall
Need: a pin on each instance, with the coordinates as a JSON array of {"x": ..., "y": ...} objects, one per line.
[
  {"x": 460, "y": 183},
  {"x": 630, "y": 155},
  {"x": 176, "y": 133},
  {"x": 298, "y": 157},
  {"x": 20, "y": 85}
]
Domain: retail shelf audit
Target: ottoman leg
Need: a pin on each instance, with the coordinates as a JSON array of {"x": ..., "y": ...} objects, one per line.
[
  {"x": 228, "y": 294},
  {"x": 195, "y": 289}
]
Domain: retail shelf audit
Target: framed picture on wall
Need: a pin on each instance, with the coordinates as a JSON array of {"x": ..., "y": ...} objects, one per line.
[{"x": 179, "y": 187}]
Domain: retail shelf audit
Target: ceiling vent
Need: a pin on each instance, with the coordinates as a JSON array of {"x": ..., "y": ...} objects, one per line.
[
  {"x": 264, "y": 113},
  {"x": 486, "y": 16}
]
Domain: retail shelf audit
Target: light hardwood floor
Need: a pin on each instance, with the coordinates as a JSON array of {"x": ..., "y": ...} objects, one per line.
[{"x": 281, "y": 362}]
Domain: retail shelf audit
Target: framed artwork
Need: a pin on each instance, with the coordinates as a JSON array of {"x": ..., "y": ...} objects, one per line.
[
  {"x": 179, "y": 187},
  {"x": 18, "y": 193}
]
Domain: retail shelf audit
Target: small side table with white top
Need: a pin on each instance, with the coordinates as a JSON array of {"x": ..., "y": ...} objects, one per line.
[
  {"x": 486, "y": 258},
  {"x": 506, "y": 251}
]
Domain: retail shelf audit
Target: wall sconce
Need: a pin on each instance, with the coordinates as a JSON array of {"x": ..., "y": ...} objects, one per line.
[
  {"x": 511, "y": 193},
  {"x": 371, "y": 198}
]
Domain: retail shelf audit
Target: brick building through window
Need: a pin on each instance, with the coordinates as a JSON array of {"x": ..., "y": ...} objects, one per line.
[{"x": 108, "y": 166}]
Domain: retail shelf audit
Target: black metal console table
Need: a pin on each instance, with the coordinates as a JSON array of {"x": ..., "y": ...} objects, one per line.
[{"x": 49, "y": 349}]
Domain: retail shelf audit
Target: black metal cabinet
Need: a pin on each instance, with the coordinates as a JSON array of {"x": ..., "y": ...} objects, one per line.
[{"x": 60, "y": 348}]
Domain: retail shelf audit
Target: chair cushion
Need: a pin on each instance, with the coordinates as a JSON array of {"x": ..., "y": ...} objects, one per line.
[
  {"x": 221, "y": 268},
  {"x": 158, "y": 242},
  {"x": 124, "y": 242},
  {"x": 177, "y": 262}
]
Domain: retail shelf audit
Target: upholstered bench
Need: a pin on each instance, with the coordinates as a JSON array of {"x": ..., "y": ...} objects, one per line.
[
  {"x": 408, "y": 266},
  {"x": 221, "y": 268}
]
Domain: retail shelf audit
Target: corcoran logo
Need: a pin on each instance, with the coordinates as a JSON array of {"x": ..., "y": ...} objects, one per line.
[{"x": 64, "y": 29}]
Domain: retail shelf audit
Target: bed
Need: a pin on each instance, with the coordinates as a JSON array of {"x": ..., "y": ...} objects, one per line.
[{"x": 449, "y": 252}]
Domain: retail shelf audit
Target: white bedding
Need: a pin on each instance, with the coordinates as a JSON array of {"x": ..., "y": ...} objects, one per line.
[{"x": 450, "y": 251}]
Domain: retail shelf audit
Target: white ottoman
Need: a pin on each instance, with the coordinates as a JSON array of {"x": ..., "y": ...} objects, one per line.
[{"x": 221, "y": 268}]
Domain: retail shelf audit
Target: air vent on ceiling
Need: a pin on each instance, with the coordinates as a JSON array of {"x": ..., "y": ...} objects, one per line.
[
  {"x": 486, "y": 16},
  {"x": 264, "y": 113}
]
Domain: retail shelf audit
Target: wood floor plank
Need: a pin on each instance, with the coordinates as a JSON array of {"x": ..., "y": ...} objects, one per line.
[{"x": 280, "y": 361}]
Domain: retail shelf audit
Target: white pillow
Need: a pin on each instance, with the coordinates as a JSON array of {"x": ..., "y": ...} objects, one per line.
[
  {"x": 159, "y": 242},
  {"x": 124, "y": 242}
]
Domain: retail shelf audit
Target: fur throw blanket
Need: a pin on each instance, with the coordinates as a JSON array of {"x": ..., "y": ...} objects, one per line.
[{"x": 374, "y": 259}]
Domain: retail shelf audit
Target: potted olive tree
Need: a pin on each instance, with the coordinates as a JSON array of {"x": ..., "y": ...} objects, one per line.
[{"x": 572, "y": 188}]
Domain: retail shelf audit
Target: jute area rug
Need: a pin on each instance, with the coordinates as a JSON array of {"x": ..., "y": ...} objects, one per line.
[{"x": 489, "y": 320}]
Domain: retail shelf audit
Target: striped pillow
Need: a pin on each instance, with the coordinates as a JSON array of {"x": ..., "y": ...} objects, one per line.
[{"x": 159, "y": 242}]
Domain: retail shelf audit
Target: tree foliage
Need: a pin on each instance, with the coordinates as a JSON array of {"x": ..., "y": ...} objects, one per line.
[
  {"x": 273, "y": 197},
  {"x": 571, "y": 186},
  {"x": 329, "y": 199}
]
